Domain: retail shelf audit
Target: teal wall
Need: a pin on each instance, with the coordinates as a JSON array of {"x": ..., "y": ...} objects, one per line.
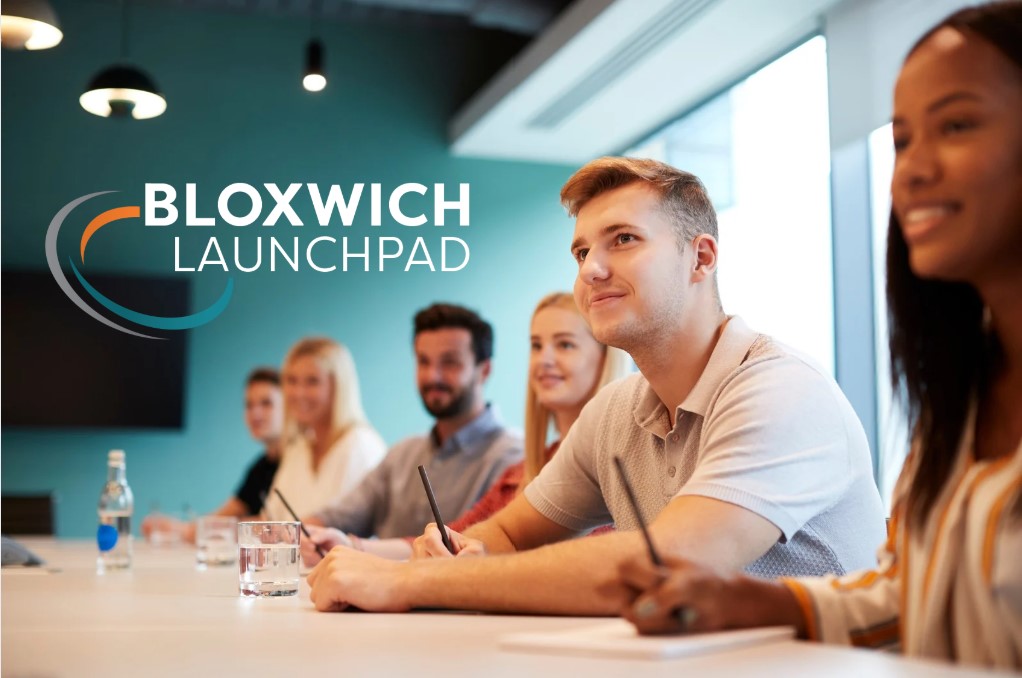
[{"x": 237, "y": 113}]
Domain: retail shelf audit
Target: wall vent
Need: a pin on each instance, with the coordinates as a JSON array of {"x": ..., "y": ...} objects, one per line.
[{"x": 646, "y": 39}]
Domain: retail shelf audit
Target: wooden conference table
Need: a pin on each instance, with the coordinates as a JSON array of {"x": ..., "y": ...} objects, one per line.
[{"x": 167, "y": 618}]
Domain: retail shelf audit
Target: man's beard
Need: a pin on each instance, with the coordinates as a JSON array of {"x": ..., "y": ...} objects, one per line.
[{"x": 458, "y": 405}]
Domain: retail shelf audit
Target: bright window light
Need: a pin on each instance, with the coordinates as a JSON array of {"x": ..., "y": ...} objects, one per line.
[
  {"x": 892, "y": 426},
  {"x": 763, "y": 150}
]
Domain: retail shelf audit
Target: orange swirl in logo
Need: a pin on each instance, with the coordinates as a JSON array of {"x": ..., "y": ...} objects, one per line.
[
  {"x": 105, "y": 218},
  {"x": 156, "y": 322}
]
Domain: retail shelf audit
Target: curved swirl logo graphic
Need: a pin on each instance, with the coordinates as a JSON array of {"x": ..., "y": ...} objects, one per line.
[{"x": 155, "y": 322}]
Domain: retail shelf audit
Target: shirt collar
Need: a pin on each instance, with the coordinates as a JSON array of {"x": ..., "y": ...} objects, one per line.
[
  {"x": 650, "y": 413},
  {"x": 466, "y": 438},
  {"x": 730, "y": 351},
  {"x": 733, "y": 345}
]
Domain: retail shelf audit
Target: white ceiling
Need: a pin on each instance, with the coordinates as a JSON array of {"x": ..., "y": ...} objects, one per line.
[{"x": 608, "y": 72}]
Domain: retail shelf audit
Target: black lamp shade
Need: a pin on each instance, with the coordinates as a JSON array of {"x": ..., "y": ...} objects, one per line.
[
  {"x": 314, "y": 57},
  {"x": 123, "y": 91}
]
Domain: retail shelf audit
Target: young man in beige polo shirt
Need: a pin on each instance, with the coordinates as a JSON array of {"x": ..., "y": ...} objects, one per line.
[{"x": 742, "y": 453}]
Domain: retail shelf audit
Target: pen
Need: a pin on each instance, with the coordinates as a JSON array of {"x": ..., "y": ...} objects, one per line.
[
  {"x": 685, "y": 615},
  {"x": 319, "y": 549},
  {"x": 436, "y": 509},
  {"x": 653, "y": 555}
]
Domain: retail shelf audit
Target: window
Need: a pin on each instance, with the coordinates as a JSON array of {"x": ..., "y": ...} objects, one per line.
[
  {"x": 892, "y": 426},
  {"x": 763, "y": 150}
]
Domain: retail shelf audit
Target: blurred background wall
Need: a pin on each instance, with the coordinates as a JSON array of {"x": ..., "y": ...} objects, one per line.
[{"x": 237, "y": 113}]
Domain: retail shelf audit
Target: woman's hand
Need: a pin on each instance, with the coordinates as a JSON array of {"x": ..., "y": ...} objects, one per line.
[
  {"x": 324, "y": 537},
  {"x": 683, "y": 596}
]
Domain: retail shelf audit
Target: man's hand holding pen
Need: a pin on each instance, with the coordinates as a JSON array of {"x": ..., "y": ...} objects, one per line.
[{"x": 430, "y": 545}]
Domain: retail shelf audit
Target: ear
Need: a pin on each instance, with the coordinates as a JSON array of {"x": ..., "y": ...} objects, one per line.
[
  {"x": 484, "y": 370},
  {"x": 704, "y": 261}
]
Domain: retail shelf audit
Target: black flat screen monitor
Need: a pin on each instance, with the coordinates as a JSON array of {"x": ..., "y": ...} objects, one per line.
[{"x": 62, "y": 368}]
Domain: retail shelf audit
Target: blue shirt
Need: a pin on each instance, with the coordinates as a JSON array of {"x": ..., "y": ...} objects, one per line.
[{"x": 390, "y": 501}]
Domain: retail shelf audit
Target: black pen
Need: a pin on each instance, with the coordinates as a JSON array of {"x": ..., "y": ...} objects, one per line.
[
  {"x": 319, "y": 549},
  {"x": 685, "y": 615},
  {"x": 653, "y": 555},
  {"x": 436, "y": 509}
]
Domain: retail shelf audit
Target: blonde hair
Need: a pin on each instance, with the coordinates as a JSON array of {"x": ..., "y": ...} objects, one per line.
[
  {"x": 346, "y": 407},
  {"x": 538, "y": 417}
]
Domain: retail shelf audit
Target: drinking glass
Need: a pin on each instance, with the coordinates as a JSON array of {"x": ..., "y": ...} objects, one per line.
[
  {"x": 216, "y": 540},
  {"x": 269, "y": 558}
]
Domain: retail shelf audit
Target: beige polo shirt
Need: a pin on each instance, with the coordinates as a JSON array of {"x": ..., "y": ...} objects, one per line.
[{"x": 764, "y": 428}]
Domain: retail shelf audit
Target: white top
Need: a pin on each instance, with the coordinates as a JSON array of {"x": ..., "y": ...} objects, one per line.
[
  {"x": 951, "y": 590},
  {"x": 342, "y": 468},
  {"x": 763, "y": 428}
]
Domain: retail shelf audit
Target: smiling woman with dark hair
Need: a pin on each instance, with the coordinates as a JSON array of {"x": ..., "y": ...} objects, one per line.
[{"x": 948, "y": 584}]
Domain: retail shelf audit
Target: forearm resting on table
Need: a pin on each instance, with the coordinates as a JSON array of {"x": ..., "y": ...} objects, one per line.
[
  {"x": 493, "y": 536},
  {"x": 580, "y": 576},
  {"x": 517, "y": 527},
  {"x": 577, "y": 577},
  {"x": 391, "y": 549}
]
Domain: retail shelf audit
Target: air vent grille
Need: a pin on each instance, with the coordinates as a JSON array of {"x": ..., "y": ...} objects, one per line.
[{"x": 646, "y": 39}]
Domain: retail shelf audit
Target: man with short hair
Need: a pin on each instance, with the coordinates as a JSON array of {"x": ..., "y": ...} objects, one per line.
[
  {"x": 742, "y": 453},
  {"x": 466, "y": 451},
  {"x": 264, "y": 418}
]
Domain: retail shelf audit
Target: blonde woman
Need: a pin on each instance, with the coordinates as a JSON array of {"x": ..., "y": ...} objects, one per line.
[
  {"x": 329, "y": 443},
  {"x": 567, "y": 366}
]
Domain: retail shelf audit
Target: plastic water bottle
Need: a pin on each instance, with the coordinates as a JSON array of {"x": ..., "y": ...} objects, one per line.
[{"x": 115, "y": 508}]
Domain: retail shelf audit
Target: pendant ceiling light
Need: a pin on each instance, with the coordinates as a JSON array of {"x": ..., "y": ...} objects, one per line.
[
  {"x": 122, "y": 90},
  {"x": 29, "y": 24},
  {"x": 314, "y": 79}
]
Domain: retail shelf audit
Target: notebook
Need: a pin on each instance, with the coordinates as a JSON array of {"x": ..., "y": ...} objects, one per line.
[{"x": 620, "y": 639}]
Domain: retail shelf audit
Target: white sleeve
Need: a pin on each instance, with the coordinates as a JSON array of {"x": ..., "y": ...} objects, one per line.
[{"x": 360, "y": 451}]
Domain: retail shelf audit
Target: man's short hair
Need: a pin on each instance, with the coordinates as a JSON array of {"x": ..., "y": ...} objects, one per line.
[
  {"x": 444, "y": 316},
  {"x": 683, "y": 197},
  {"x": 266, "y": 375}
]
